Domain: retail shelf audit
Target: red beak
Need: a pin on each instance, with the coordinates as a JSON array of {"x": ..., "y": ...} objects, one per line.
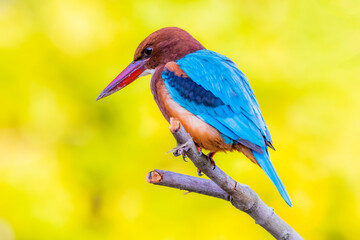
[{"x": 127, "y": 76}]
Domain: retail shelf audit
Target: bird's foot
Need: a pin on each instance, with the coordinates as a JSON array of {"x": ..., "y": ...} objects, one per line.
[
  {"x": 199, "y": 150},
  {"x": 210, "y": 156},
  {"x": 182, "y": 149}
]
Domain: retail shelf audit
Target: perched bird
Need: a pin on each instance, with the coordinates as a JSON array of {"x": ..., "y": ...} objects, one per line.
[{"x": 206, "y": 92}]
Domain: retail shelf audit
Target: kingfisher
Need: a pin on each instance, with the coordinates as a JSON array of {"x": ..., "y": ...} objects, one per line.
[{"x": 206, "y": 92}]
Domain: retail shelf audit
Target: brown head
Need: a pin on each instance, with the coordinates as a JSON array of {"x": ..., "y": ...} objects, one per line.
[{"x": 160, "y": 47}]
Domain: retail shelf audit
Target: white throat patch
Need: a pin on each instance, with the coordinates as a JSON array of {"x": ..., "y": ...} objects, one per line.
[{"x": 147, "y": 72}]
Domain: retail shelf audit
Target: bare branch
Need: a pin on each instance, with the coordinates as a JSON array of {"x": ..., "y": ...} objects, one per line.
[
  {"x": 186, "y": 182},
  {"x": 241, "y": 196}
]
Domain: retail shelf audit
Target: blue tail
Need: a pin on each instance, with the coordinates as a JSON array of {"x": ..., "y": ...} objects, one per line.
[{"x": 266, "y": 165}]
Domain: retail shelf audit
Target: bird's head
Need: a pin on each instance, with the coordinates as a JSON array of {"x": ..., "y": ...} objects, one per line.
[{"x": 160, "y": 47}]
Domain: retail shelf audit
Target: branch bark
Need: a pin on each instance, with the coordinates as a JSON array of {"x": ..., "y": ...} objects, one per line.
[{"x": 221, "y": 186}]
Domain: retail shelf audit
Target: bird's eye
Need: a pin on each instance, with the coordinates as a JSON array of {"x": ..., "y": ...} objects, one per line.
[{"x": 148, "y": 51}]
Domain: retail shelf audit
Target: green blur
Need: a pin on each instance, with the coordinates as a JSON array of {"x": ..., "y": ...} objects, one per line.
[{"x": 72, "y": 168}]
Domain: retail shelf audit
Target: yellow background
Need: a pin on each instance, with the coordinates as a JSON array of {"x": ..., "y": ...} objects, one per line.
[{"x": 73, "y": 168}]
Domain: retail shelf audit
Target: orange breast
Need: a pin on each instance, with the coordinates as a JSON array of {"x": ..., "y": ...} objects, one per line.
[{"x": 203, "y": 134}]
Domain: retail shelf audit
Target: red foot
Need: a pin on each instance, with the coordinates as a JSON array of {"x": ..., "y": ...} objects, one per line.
[
  {"x": 210, "y": 156},
  {"x": 199, "y": 172},
  {"x": 199, "y": 150}
]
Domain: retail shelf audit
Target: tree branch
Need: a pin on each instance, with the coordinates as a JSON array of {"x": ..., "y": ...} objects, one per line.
[
  {"x": 222, "y": 186},
  {"x": 186, "y": 182}
]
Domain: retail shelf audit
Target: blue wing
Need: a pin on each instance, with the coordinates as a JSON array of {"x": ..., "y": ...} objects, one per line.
[{"x": 216, "y": 91}]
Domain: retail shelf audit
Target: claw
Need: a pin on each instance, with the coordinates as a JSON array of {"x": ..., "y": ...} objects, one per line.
[
  {"x": 184, "y": 156},
  {"x": 199, "y": 150},
  {"x": 210, "y": 156},
  {"x": 199, "y": 172}
]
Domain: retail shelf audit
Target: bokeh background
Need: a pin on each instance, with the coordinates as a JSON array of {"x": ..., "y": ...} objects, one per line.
[{"x": 73, "y": 168}]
